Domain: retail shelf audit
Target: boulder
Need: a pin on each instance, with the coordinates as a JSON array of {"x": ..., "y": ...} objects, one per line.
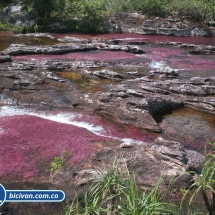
[{"x": 17, "y": 15}]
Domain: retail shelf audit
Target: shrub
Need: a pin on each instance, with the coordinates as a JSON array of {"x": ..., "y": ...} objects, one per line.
[
  {"x": 155, "y": 7},
  {"x": 113, "y": 6},
  {"x": 192, "y": 10},
  {"x": 92, "y": 15}
]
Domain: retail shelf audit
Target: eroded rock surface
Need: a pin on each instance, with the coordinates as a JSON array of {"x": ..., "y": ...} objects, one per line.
[
  {"x": 166, "y": 159},
  {"x": 172, "y": 25},
  {"x": 20, "y": 49},
  {"x": 134, "y": 98}
]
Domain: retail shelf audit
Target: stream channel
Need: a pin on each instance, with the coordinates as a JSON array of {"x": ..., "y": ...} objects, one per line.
[{"x": 30, "y": 137}]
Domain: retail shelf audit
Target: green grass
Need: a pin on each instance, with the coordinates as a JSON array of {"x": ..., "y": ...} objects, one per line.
[
  {"x": 116, "y": 192},
  {"x": 205, "y": 184}
]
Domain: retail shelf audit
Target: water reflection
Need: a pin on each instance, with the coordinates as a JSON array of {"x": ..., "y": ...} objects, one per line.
[
  {"x": 8, "y": 39},
  {"x": 85, "y": 83},
  {"x": 191, "y": 127}
]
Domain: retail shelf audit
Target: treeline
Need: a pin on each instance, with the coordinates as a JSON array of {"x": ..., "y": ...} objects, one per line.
[{"x": 93, "y": 13}]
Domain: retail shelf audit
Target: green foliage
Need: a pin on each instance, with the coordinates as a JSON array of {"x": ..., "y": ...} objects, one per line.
[
  {"x": 113, "y": 6},
  {"x": 92, "y": 14},
  {"x": 194, "y": 10},
  {"x": 155, "y": 7},
  {"x": 205, "y": 184},
  {"x": 117, "y": 193},
  {"x": 59, "y": 162},
  {"x": 7, "y": 27}
]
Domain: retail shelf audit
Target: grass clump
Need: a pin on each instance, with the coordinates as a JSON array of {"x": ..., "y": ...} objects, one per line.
[
  {"x": 115, "y": 192},
  {"x": 205, "y": 183}
]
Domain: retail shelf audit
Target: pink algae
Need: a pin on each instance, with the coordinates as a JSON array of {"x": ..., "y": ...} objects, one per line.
[
  {"x": 180, "y": 59},
  {"x": 91, "y": 55},
  {"x": 117, "y": 130},
  {"x": 28, "y": 141}
]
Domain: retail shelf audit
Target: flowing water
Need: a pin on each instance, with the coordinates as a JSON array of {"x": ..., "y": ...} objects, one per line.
[{"x": 29, "y": 137}]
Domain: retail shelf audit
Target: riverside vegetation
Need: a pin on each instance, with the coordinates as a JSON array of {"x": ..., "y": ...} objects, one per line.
[
  {"x": 94, "y": 13},
  {"x": 115, "y": 192}
]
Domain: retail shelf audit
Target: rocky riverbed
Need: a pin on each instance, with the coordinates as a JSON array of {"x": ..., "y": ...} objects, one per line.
[{"x": 101, "y": 98}]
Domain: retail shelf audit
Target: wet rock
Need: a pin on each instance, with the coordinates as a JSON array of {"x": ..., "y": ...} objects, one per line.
[
  {"x": 55, "y": 65},
  {"x": 126, "y": 145},
  {"x": 169, "y": 43},
  {"x": 19, "y": 49},
  {"x": 127, "y": 109},
  {"x": 5, "y": 58},
  {"x": 74, "y": 40},
  {"x": 203, "y": 50},
  {"x": 165, "y": 72},
  {"x": 195, "y": 160},
  {"x": 210, "y": 90},
  {"x": 104, "y": 74},
  {"x": 188, "y": 89}
]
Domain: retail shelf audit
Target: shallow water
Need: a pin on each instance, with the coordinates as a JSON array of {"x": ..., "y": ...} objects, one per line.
[
  {"x": 8, "y": 38},
  {"x": 85, "y": 83},
  {"x": 31, "y": 139},
  {"x": 144, "y": 38},
  {"x": 190, "y": 127}
]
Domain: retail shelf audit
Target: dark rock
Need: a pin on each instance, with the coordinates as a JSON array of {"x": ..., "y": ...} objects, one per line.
[
  {"x": 169, "y": 43},
  {"x": 17, "y": 15},
  {"x": 105, "y": 154},
  {"x": 195, "y": 160},
  {"x": 161, "y": 26},
  {"x": 5, "y": 58},
  {"x": 203, "y": 50}
]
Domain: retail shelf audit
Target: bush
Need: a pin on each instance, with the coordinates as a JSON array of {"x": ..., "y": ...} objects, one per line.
[
  {"x": 92, "y": 15},
  {"x": 192, "y": 10},
  {"x": 113, "y": 6},
  {"x": 155, "y": 7}
]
